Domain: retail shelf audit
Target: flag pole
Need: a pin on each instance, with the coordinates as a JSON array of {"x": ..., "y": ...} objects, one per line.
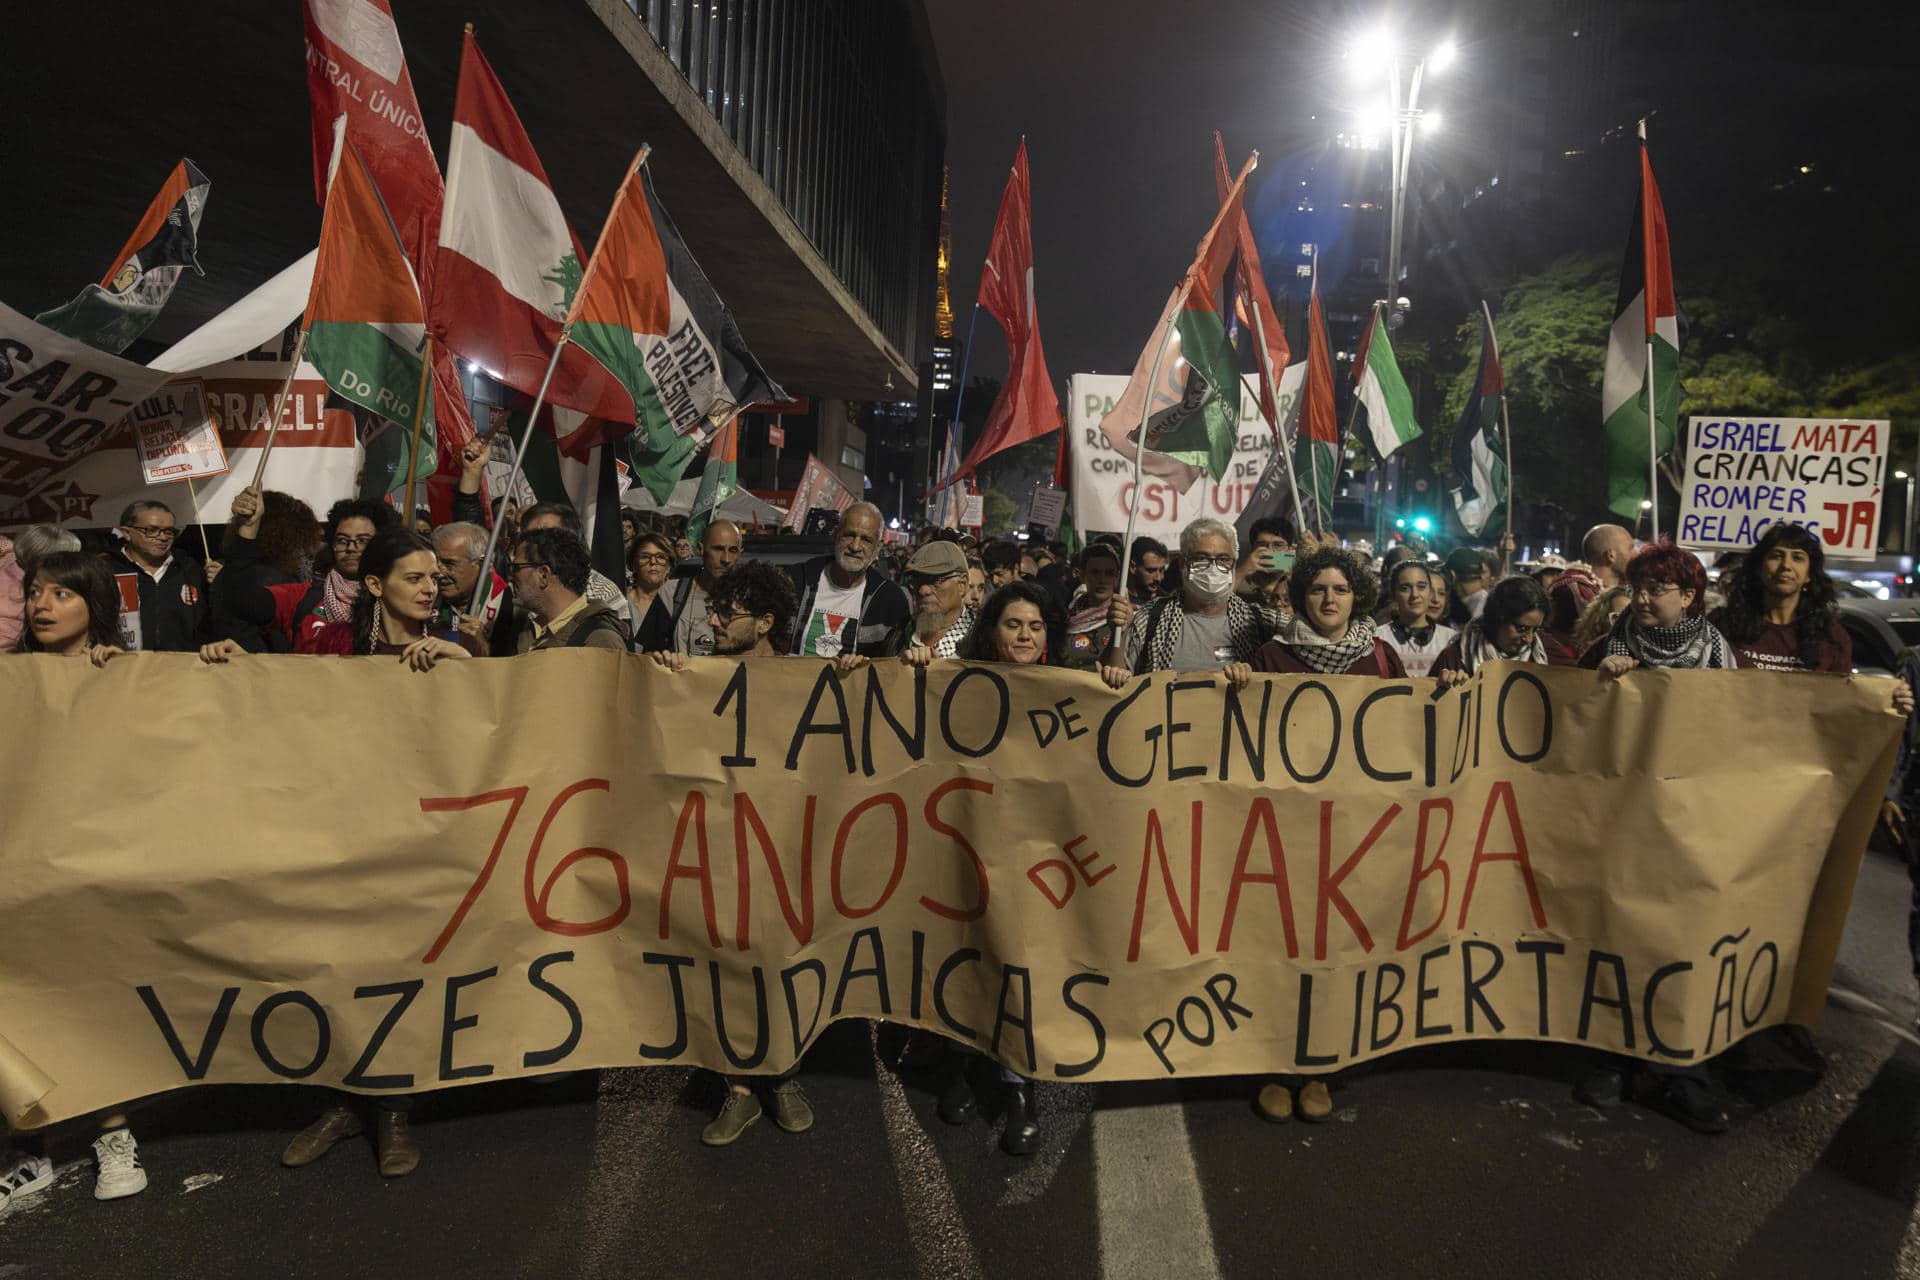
[
  {"x": 1279, "y": 432},
  {"x": 279, "y": 404},
  {"x": 553, "y": 362},
  {"x": 1119, "y": 640},
  {"x": 1653, "y": 418},
  {"x": 1506, "y": 428},
  {"x": 959, "y": 396},
  {"x": 419, "y": 423},
  {"x": 199, "y": 520}
]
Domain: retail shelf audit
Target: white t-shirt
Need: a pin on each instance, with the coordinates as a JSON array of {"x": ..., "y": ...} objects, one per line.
[
  {"x": 1418, "y": 658},
  {"x": 835, "y": 619}
]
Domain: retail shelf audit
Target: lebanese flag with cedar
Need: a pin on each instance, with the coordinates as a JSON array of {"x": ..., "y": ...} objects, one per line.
[{"x": 508, "y": 263}]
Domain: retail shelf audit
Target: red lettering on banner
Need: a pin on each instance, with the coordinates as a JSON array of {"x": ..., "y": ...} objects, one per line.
[
  {"x": 1502, "y": 796},
  {"x": 1329, "y": 891},
  {"x": 537, "y": 904},
  {"x": 932, "y": 814},
  {"x": 800, "y": 922},
  {"x": 1421, "y": 872},
  {"x": 692, "y": 814},
  {"x": 516, "y": 796},
  {"x": 1276, "y": 875},
  {"x": 899, "y": 808},
  {"x": 1156, "y": 845}
]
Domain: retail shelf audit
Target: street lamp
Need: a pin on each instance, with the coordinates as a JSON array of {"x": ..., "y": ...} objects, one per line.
[
  {"x": 1906, "y": 515},
  {"x": 1365, "y": 55}
]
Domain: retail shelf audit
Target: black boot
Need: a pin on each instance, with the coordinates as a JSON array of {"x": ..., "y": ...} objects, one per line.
[
  {"x": 957, "y": 1103},
  {"x": 1022, "y": 1133}
]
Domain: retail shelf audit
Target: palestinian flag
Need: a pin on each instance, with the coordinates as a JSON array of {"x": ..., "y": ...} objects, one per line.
[
  {"x": 646, "y": 312},
  {"x": 1194, "y": 413},
  {"x": 1645, "y": 315},
  {"x": 1316, "y": 458},
  {"x": 1259, "y": 324},
  {"x": 108, "y": 316},
  {"x": 1383, "y": 392},
  {"x": 720, "y": 481},
  {"x": 1479, "y": 442}
]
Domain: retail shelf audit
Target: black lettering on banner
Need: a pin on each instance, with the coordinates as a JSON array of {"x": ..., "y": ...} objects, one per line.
[
  {"x": 1175, "y": 771},
  {"x": 1540, "y": 949},
  {"x": 1303, "y": 1029},
  {"x": 1286, "y": 723},
  {"x": 916, "y": 967},
  {"x": 678, "y": 1045},
  {"x": 1431, "y": 715},
  {"x": 12, "y": 349},
  {"x": 1385, "y": 1001},
  {"x": 914, "y": 743},
  {"x": 1225, "y": 999},
  {"x": 1359, "y": 734},
  {"x": 1001, "y": 714},
  {"x": 323, "y": 1033},
  {"x": 1359, "y": 1009},
  {"x": 1772, "y": 953},
  {"x": 86, "y": 387},
  {"x": 1517, "y": 676},
  {"x": 828, "y": 679},
  {"x": 1234, "y": 717},
  {"x": 41, "y": 383},
  {"x": 762, "y": 1037},
  {"x": 1022, "y": 1019},
  {"x": 1471, "y": 982},
  {"x": 736, "y": 693},
  {"x": 877, "y": 971},
  {"x": 1590, "y": 996},
  {"x": 1654, "y": 1043},
  {"x": 1068, "y": 720},
  {"x": 1071, "y": 1070},
  {"x": 819, "y": 972},
  {"x": 194, "y": 1068},
  {"x": 1102, "y": 743},
  {"x": 1421, "y": 991},
  {"x": 536, "y": 978},
  {"x": 451, "y": 1024},
  {"x": 357, "y": 1077},
  {"x": 965, "y": 955}
]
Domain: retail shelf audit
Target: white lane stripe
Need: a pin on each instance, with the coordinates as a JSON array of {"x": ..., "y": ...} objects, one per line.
[
  {"x": 1153, "y": 1219},
  {"x": 942, "y": 1243}
]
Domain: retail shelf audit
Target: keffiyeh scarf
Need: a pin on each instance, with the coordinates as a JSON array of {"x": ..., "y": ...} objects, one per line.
[
  {"x": 1689, "y": 643},
  {"x": 337, "y": 595},
  {"x": 1248, "y": 627},
  {"x": 1328, "y": 657},
  {"x": 1476, "y": 647}
]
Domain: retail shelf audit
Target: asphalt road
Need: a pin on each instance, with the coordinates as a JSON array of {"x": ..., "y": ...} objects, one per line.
[{"x": 1456, "y": 1161}]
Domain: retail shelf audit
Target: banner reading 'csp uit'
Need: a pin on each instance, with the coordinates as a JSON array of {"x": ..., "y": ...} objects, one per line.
[{"x": 601, "y": 863}]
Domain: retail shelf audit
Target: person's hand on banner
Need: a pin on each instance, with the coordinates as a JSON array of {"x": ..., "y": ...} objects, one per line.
[
  {"x": 1115, "y": 677},
  {"x": 1903, "y": 697},
  {"x": 422, "y": 654},
  {"x": 848, "y": 663},
  {"x": 1455, "y": 676},
  {"x": 246, "y": 509},
  {"x": 917, "y": 655},
  {"x": 1615, "y": 665},
  {"x": 220, "y": 651},
  {"x": 1238, "y": 674},
  {"x": 101, "y": 654},
  {"x": 670, "y": 660}
]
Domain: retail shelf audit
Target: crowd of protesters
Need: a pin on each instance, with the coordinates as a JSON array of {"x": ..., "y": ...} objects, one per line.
[{"x": 364, "y": 581}]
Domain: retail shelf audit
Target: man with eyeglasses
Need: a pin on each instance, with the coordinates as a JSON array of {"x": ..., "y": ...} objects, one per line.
[
  {"x": 548, "y": 574},
  {"x": 936, "y": 580},
  {"x": 460, "y": 548},
  {"x": 1205, "y": 628},
  {"x": 846, "y": 604},
  {"x": 174, "y": 616}
]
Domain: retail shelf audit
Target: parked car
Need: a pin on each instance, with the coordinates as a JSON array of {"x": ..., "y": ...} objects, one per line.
[{"x": 1879, "y": 628}]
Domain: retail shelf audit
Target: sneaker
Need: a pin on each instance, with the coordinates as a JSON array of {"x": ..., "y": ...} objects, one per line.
[
  {"x": 118, "y": 1160},
  {"x": 737, "y": 1115},
  {"x": 1274, "y": 1102},
  {"x": 1316, "y": 1104},
  {"x": 23, "y": 1175},
  {"x": 791, "y": 1110}
]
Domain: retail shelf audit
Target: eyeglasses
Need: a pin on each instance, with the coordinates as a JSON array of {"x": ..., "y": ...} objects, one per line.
[
  {"x": 1652, "y": 591},
  {"x": 725, "y": 620},
  {"x": 161, "y": 532},
  {"x": 515, "y": 566},
  {"x": 652, "y": 557},
  {"x": 344, "y": 543},
  {"x": 1223, "y": 562},
  {"x": 917, "y": 580}
]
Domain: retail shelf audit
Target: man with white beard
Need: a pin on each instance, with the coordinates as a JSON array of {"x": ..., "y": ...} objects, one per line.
[{"x": 847, "y": 606}]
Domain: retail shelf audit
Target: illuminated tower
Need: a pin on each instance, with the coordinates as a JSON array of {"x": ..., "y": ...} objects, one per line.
[{"x": 943, "y": 308}]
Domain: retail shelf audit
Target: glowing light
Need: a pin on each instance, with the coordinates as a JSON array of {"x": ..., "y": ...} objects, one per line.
[
  {"x": 1442, "y": 58},
  {"x": 1369, "y": 53},
  {"x": 1430, "y": 122},
  {"x": 1422, "y": 524}
]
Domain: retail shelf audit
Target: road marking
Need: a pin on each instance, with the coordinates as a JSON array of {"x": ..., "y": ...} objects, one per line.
[
  {"x": 1873, "y": 1011},
  {"x": 1153, "y": 1219},
  {"x": 942, "y": 1242}
]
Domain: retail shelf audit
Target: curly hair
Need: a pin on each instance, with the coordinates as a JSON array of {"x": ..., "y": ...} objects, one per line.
[
  {"x": 88, "y": 577},
  {"x": 1359, "y": 576},
  {"x": 1596, "y": 620},
  {"x": 1511, "y": 599},
  {"x": 1818, "y": 607},
  {"x": 977, "y": 646},
  {"x": 1662, "y": 562},
  {"x": 759, "y": 587},
  {"x": 378, "y": 514},
  {"x": 289, "y": 536},
  {"x": 388, "y": 548}
]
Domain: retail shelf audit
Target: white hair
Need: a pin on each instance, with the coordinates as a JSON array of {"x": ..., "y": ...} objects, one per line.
[
  {"x": 463, "y": 531},
  {"x": 1208, "y": 527},
  {"x": 39, "y": 542}
]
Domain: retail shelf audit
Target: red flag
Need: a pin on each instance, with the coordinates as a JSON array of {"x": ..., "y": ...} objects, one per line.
[
  {"x": 1027, "y": 407},
  {"x": 1317, "y": 443},
  {"x": 1253, "y": 306}
]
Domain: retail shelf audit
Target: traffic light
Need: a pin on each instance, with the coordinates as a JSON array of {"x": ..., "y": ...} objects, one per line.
[{"x": 1422, "y": 524}]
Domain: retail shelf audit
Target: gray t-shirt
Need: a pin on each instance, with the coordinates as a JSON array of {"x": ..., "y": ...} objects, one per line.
[
  {"x": 1203, "y": 644},
  {"x": 691, "y": 634}
]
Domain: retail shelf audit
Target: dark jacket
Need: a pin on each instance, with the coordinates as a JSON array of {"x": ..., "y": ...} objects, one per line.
[
  {"x": 600, "y": 625},
  {"x": 243, "y": 607},
  {"x": 885, "y": 612},
  {"x": 1383, "y": 662},
  {"x": 174, "y": 611}
]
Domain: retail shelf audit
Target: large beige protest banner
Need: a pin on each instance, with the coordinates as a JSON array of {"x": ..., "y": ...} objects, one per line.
[{"x": 334, "y": 871}]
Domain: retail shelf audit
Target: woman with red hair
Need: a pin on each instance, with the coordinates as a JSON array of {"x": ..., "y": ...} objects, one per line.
[{"x": 1665, "y": 622}]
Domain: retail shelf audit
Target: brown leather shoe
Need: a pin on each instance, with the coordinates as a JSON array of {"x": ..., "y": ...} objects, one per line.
[
  {"x": 314, "y": 1141},
  {"x": 393, "y": 1138}
]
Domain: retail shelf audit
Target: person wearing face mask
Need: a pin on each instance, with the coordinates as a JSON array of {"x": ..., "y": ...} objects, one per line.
[
  {"x": 847, "y": 605},
  {"x": 1411, "y": 630},
  {"x": 1205, "y": 628}
]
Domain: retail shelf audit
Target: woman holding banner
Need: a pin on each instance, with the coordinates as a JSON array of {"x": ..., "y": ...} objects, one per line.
[
  {"x": 1512, "y": 626},
  {"x": 1665, "y": 624}
]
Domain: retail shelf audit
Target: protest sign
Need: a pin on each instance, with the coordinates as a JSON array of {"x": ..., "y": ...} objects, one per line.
[
  {"x": 973, "y": 510},
  {"x": 175, "y": 435},
  {"x": 818, "y": 487},
  {"x": 1103, "y": 489},
  {"x": 1048, "y": 508},
  {"x": 603, "y": 863},
  {"x": 1746, "y": 474},
  {"x": 316, "y": 456},
  {"x": 59, "y": 400}
]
